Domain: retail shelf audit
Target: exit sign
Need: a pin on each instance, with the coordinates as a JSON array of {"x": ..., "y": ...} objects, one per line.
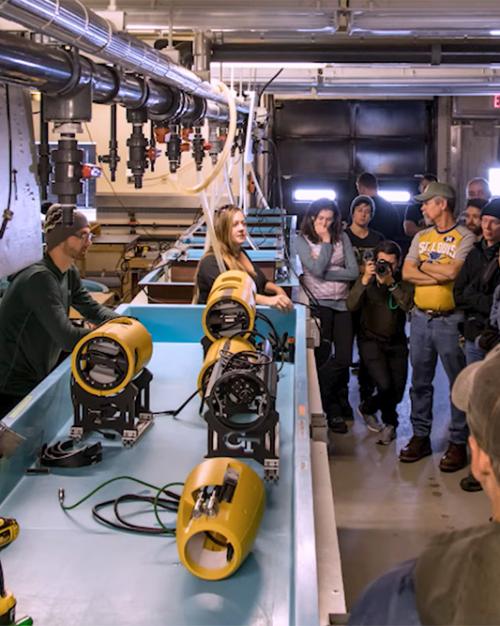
[{"x": 496, "y": 101}]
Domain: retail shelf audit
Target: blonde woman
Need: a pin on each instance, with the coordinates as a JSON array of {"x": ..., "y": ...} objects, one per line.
[{"x": 231, "y": 233}]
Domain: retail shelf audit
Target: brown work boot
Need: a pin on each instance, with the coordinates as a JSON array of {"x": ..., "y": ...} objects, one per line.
[
  {"x": 454, "y": 459},
  {"x": 417, "y": 448}
]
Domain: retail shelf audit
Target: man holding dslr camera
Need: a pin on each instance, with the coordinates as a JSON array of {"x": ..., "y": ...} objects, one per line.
[{"x": 384, "y": 299}]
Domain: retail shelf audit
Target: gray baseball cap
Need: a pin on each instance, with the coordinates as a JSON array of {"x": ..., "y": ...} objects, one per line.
[
  {"x": 436, "y": 189},
  {"x": 476, "y": 392}
]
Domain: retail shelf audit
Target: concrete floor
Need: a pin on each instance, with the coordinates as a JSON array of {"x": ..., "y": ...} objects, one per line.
[{"x": 387, "y": 511}]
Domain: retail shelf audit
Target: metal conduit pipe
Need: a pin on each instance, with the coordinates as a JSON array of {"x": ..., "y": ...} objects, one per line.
[
  {"x": 71, "y": 22},
  {"x": 51, "y": 69}
]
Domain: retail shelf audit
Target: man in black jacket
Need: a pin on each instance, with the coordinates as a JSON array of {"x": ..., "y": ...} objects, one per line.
[
  {"x": 34, "y": 322},
  {"x": 473, "y": 292},
  {"x": 477, "y": 280},
  {"x": 384, "y": 299}
]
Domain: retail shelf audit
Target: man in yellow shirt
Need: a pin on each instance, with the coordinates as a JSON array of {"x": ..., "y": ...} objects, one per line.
[{"x": 432, "y": 265}]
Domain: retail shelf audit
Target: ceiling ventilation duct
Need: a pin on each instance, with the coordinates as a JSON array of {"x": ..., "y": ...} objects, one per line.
[
  {"x": 71, "y": 22},
  {"x": 426, "y": 18}
]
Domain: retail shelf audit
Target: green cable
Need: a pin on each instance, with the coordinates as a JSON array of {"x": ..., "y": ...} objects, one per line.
[
  {"x": 155, "y": 505},
  {"x": 390, "y": 301},
  {"x": 159, "y": 491}
]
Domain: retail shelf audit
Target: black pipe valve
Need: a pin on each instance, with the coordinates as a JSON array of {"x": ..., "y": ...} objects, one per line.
[
  {"x": 137, "y": 145},
  {"x": 198, "y": 145},
  {"x": 174, "y": 149}
]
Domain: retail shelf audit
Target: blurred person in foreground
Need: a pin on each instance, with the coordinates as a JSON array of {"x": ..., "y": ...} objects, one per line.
[{"x": 455, "y": 581}]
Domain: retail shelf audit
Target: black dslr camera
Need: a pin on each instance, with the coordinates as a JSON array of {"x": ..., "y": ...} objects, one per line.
[{"x": 383, "y": 268}]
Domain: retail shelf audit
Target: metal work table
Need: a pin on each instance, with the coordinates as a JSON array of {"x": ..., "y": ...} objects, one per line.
[
  {"x": 65, "y": 569},
  {"x": 263, "y": 230},
  {"x": 198, "y": 241},
  {"x": 174, "y": 281},
  {"x": 160, "y": 288}
]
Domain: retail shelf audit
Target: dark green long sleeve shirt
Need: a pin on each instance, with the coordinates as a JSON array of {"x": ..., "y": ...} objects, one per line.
[
  {"x": 34, "y": 323},
  {"x": 383, "y": 312}
]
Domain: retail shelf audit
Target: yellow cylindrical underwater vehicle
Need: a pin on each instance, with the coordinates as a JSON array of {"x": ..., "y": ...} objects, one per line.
[
  {"x": 108, "y": 358},
  {"x": 220, "y": 511},
  {"x": 230, "y": 308},
  {"x": 230, "y": 346}
]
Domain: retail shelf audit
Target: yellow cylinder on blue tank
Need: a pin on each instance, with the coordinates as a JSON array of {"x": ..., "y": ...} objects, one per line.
[
  {"x": 230, "y": 307},
  {"x": 215, "y": 533},
  {"x": 234, "y": 345},
  {"x": 109, "y": 357}
]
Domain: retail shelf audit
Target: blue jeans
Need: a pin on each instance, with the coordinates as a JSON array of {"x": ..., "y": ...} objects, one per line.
[
  {"x": 429, "y": 338},
  {"x": 473, "y": 353}
]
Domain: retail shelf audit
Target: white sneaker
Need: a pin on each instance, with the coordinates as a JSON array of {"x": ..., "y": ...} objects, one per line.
[
  {"x": 371, "y": 421},
  {"x": 387, "y": 434}
]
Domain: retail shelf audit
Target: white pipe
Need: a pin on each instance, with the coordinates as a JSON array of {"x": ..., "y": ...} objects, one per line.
[
  {"x": 231, "y": 101},
  {"x": 245, "y": 189},
  {"x": 258, "y": 188},
  {"x": 211, "y": 239},
  {"x": 241, "y": 199},
  {"x": 248, "y": 152},
  {"x": 227, "y": 180}
]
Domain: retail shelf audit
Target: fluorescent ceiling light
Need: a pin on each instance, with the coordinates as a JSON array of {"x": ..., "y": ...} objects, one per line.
[
  {"x": 399, "y": 33},
  {"x": 145, "y": 27},
  {"x": 494, "y": 180},
  {"x": 271, "y": 65},
  {"x": 495, "y": 33},
  {"x": 309, "y": 194},
  {"x": 395, "y": 195}
]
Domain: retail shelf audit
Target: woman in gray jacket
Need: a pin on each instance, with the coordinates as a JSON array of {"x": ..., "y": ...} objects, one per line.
[{"x": 329, "y": 265}]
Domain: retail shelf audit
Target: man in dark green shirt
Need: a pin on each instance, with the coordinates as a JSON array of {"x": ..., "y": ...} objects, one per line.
[{"x": 34, "y": 322}]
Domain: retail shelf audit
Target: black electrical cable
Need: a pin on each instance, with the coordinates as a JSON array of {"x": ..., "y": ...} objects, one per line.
[
  {"x": 2, "y": 583},
  {"x": 171, "y": 503},
  {"x": 278, "y": 170},
  {"x": 7, "y": 214},
  {"x": 218, "y": 542},
  {"x": 261, "y": 316},
  {"x": 156, "y": 501},
  {"x": 175, "y": 412},
  {"x": 279, "y": 347},
  {"x": 247, "y": 355},
  {"x": 261, "y": 92}
]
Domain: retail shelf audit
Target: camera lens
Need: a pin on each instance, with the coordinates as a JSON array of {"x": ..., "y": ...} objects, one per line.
[{"x": 382, "y": 268}]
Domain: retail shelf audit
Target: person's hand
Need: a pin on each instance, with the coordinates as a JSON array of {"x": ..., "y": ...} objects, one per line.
[
  {"x": 368, "y": 273},
  {"x": 281, "y": 302}
]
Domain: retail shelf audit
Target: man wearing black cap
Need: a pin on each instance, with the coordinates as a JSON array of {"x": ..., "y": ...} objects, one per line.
[
  {"x": 433, "y": 262},
  {"x": 414, "y": 218},
  {"x": 34, "y": 323}
]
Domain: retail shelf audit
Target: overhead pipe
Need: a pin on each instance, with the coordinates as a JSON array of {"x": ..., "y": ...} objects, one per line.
[
  {"x": 71, "y": 22},
  {"x": 51, "y": 70}
]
